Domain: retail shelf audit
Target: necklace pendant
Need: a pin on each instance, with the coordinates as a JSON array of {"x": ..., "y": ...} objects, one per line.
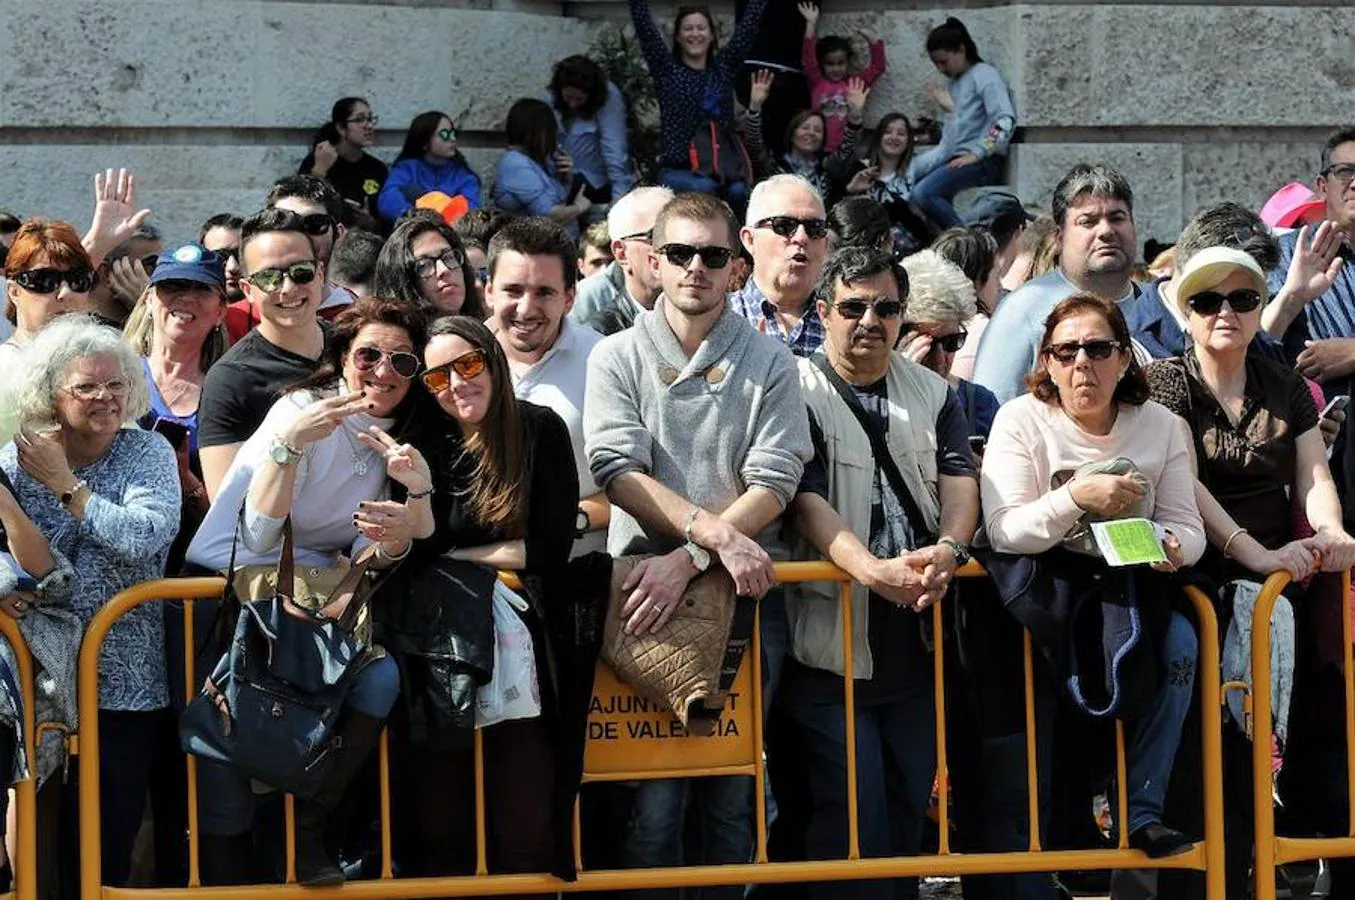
[{"x": 360, "y": 467}]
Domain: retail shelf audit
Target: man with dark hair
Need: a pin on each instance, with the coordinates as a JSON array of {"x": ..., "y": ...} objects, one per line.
[
  {"x": 1093, "y": 209},
  {"x": 124, "y": 274},
  {"x": 282, "y": 278},
  {"x": 321, "y": 209},
  {"x": 901, "y": 552},
  {"x": 530, "y": 291},
  {"x": 696, "y": 429},
  {"x": 221, "y": 234},
  {"x": 1153, "y": 317},
  {"x": 353, "y": 262}
]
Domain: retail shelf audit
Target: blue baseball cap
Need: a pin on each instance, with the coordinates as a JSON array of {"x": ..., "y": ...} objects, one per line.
[{"x": 190, "y": 262}]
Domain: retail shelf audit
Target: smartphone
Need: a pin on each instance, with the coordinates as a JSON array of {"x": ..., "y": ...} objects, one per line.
[
  {"x": 976, "y": 444},
  {"x": 1338, "y": 403}
]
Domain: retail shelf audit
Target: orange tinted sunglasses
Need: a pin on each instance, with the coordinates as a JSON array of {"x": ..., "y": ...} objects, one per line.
[{"x": 466, "y": 366}]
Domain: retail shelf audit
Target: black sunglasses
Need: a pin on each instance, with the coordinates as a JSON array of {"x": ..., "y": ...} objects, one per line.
[
  {"x": 226, "y": 253},
  {"x": 1067, "y": 351},
  {"x": 270, "y": 280},
  {"x": 46, "y": 281},
  {"x": 452, "y": 258},
  {"x": 317, "y": 224},
  {"x": 406, "y": 365},
  {"x": 786, "y": 226},
  {"x": 711, "y": 257},
  {"x": 950, "y": 343},
  {"x": 1208, "y": 303},
  {"x": 854, "y": 308}
]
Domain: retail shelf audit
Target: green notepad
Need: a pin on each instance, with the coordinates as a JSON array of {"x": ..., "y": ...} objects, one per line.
[{"x": 1129, "y": 542}]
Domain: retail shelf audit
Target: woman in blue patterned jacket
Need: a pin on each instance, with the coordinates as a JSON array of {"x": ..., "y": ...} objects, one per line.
[{"x": 106, "y": 497}]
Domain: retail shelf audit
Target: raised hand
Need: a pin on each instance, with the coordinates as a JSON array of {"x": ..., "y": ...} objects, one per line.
[
  {"x": 44, "y": 458},
  {"x": 326, "y": 154},
  {"x": 128, "y": 279},
  {"x": 318, "y": 421},
  {"x": 1316, "y": 263},
  {"x": 810, "y": 11},
  {"x": 116, "y": 217},
  {"x": 404, "y": 463},
  {"x": 857, "y": 95},
  {"x": 938, "y": 94},
  {"x": 862, "y": 180},
  {"x": 761, "y": 87}
]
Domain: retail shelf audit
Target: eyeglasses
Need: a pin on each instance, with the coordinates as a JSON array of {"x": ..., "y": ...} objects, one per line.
[
  {"x": 317, "y": 224},
  {"x": 466, "y": 366},
  {"x": 452, "y": 258},
  {"x": 786, "y": 226},
  {"x": 363, "y": 120},
  {"x": 646, "y": 236},
  {"x": 1209, "y": 303},
  {"x": 406, "y": 365},
  {"x": 950, "y": 343},
  {"x": 46, "y": 281},
  {"x": 117, "y": 388},
  {"x": 227, "y": 253},
  {"x": 681, "y": 255},
  {"x": 1341, "y": 174},
  {"x": 1067, "y": 351},
  {"x": 447, "y": 134},
  {"x": 270, "y": 280},
  {"x": 855, "y": 308}
]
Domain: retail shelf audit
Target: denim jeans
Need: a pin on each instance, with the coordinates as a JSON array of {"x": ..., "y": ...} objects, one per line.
[
  {"x": 225, "y": 796},
  {"x": 895, "y": 762},
  {"x": 735, "y": 193},
  {"x": 1153, "y": 739},
  {"x": 724, "y": 810},
  {"x": 935, "y": 191}
]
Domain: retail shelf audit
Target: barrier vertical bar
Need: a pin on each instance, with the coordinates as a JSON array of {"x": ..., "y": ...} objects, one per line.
[
  {"x": 289, "y": 829},
  {"x": 481, "y": 837},
  {"x": 1121, "y": 787},
  {"x": 849, "y": 692},
  {"x": 194, "y": 844},
  {"x": 1032, "y": 780},
  {"x": 578, "y": 833},
  {"x": 1211, "y": 719},
  {"x": 759, "y": 757},
  {"x": 942, "y": 769},
  {"x": 1263, "y": 803},
  {"x": 26, "y": 791},
  {"x": 384, "y": 774}
]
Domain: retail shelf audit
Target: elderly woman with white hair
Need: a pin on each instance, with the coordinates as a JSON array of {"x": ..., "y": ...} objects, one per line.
[
  {"x": 106, "y": 497},
  {"x": 941, "y": 300}
]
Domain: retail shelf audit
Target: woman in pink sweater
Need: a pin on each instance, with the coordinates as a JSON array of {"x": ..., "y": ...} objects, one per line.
[{"x": 1088, "y": 403}]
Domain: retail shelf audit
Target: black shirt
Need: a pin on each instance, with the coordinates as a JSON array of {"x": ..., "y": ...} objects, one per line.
[
  {"x": 244, "y": 384},
  {"x": 357, "y": 182},
  {"x": 893, "y": 632}
]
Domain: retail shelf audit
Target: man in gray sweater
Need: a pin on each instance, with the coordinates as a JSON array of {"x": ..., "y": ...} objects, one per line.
[{"x": 695, "y": 426}]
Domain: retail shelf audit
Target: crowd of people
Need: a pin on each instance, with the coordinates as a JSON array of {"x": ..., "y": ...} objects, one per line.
[{"x": 806, "y": 341}]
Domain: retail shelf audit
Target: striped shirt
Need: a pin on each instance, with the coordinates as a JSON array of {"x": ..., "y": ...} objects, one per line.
[{"x": 1330, "y": 316}]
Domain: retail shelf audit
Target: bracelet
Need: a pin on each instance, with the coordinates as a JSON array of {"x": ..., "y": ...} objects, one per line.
[
  {"x": 1232, "y": 537},
  {"x": 381, "y": 552},
  {"x": 419, "y": 495}
]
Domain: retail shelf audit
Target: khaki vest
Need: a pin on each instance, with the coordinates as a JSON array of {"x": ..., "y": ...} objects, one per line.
[{"x": 916, "y": 396}]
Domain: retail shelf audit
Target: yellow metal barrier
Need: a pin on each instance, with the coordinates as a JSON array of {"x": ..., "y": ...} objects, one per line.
[
  {"x": 25, "y": 862},
  {"x": 737, "y": 751},
  {"x": 1271, "y": 849}
]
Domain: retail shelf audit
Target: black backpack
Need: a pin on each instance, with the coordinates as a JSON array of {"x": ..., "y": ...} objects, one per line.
[{"x": 717, "y": 152}]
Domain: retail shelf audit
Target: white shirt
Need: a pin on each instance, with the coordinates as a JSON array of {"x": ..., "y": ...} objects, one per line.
[
  {"x": 557, "y": 381},
  {"x": 327, "y": 491}
]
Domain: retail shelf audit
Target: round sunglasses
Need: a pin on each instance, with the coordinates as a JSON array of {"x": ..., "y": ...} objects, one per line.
[{"x": 406, "y": 365}]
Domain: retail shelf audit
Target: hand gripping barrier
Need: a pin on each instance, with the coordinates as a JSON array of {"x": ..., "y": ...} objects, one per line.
[
  {"x": 1272, "y": 850},
  {"x": 739, "y": 756},
  {"x": 25, "y": 861}
]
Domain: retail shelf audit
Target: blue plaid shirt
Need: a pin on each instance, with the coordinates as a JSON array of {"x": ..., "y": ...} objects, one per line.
[{"x": 803, "y": 340}]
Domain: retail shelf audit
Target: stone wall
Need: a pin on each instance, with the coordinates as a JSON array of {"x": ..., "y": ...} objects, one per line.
[{"x": 210, "y": 101}]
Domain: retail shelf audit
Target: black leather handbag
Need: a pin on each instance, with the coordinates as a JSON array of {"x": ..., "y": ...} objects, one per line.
[{"x": 271, "y": 704}]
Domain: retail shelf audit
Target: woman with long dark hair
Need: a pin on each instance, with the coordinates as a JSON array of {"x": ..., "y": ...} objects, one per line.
[
  {"x": 531, "y": 179},
  {"x": 429, "y": 161},
  {"x": 693, "y": 81},
  {"x": 339, "y": 154},
  {"x": 884, "y": 178},
  {"x": 977, "y": 128},
  {"x": 591, "y": 113},
  {"x": 505, "y": 495},
  {"x": 424, "y": 263}
]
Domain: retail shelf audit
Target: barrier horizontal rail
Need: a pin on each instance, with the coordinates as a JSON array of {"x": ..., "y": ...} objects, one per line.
[
  {"x": 1206, "y": 855},
  {"x": 1271, "y": 849},
  {"x": 25, "y": 863}
]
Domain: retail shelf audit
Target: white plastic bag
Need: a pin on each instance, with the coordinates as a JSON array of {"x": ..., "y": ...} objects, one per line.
[{"x": 513, "y": 691}]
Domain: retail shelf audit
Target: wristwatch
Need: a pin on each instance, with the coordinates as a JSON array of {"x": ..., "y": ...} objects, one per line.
[
  {"x": 582, "y": 523},
  {"x": 283, "y": 453},
  {"x": 700, "y": 555},
  {"x": 68, "y": 497},
  {"x": 960, "y": 550}
]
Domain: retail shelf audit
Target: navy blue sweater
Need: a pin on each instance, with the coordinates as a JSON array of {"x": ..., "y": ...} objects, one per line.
[{"x": 689, "y": 97}]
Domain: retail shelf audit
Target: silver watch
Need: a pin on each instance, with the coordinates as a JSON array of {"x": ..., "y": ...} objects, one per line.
[
  {"x": 700, "y": 555},
  {"x": 283, "y": 453}
]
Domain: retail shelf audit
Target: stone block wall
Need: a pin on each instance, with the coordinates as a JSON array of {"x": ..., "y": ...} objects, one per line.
[{"x": 210, "y": 101}]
